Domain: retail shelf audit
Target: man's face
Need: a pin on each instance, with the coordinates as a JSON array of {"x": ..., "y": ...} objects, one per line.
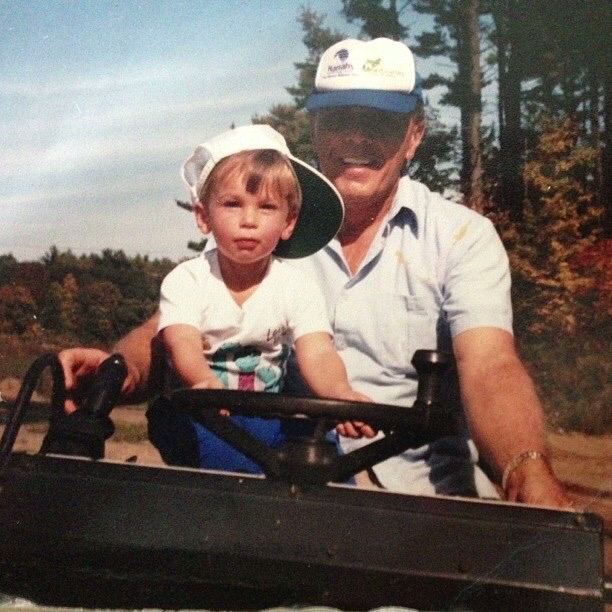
[{"x": 362, "y": 151}]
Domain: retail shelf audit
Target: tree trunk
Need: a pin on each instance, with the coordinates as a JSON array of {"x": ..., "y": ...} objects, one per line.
[
  {"x": 506, "y": 17},
  {"x": 607, "y": 157},
  {"x": 594, "y": 129},
  {"x": 468, "y": 47}
]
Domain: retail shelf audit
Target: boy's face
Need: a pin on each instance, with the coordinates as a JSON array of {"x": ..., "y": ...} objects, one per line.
[{"x": 246, "y": 226}]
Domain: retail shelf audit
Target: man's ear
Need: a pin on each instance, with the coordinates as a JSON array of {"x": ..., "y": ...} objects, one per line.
[
  {"x": 291, "y": 221},
  {"x": 414, "y": 137},
  {"x": 201, "y": 216}
]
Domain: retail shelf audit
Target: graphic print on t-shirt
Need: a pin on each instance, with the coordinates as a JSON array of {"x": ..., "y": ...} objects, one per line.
[{"x": 240, "y": 367}]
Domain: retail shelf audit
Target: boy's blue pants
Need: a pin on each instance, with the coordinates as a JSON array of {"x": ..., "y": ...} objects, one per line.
[{"x": 181, "y": 440}]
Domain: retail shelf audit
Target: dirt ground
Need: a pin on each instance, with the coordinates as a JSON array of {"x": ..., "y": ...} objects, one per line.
[{"x": 583, "y": 463}]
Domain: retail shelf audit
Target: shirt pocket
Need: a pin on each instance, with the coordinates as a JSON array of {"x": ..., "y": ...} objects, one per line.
[
  {"x": 403, "y": 326},
  {"x": 389, "y": 328}
]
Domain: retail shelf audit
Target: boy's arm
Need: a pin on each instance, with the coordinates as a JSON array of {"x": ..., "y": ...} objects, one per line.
[
  {"x": 325, "y": 374},
  {"x": 183, "y": 344}
]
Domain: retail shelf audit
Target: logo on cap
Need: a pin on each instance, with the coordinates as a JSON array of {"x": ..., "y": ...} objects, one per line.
[
  {"x": 342, "y": 55},
  {"x": 343, "y": 66},
  {"x": 371, "y": 65},
  {"x": 375, "y": 66}
]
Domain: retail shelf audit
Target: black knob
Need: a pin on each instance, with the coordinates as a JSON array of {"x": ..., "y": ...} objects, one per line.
[
  {"x": 430, "y": 367},
  {"x": 106, "y": 387}
]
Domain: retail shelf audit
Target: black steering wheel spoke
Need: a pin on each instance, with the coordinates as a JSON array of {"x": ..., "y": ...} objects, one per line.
[{"x": 306, "y": 459}]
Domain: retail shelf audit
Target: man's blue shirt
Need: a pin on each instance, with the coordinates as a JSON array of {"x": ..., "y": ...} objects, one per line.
[{"x": 434, "y": 270}]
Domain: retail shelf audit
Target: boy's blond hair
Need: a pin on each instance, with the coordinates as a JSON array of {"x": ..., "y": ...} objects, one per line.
[{"x": 258, "y": 169}]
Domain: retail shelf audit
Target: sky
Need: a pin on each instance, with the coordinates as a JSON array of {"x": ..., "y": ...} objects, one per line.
[{"x": 102, "y": 100}]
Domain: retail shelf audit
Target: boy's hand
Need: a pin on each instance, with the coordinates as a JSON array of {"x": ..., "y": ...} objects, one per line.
[
  {"x": 354, "y": 429},
  {"x": 212, "y": 383},
  {"x": 209, "y": 383}
]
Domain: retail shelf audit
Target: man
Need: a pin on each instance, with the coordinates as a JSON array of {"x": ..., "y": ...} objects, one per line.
[{"x": 408, "y": 270}]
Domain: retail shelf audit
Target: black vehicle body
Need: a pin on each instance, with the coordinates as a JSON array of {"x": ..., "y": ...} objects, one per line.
[{"x": 77, "y": 531}]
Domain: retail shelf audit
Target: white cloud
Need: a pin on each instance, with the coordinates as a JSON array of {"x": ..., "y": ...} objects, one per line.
[
  {"x": 71, "y": 136},
  {"x": 90, "y": 191},
  {"x": 135, "y": 76}
]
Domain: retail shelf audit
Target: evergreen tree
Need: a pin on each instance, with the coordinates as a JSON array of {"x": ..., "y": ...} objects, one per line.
[
  {"x": 291, "y": 120},
  {"x": 552, "y": 58},
  {"x": 316, "y": 39},
  {"x": 378, "y": 18},
  {"x": 456, "y": 36}
]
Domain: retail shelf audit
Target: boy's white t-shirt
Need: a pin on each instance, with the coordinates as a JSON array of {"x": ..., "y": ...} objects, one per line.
[{"x": 245, "y": 346}]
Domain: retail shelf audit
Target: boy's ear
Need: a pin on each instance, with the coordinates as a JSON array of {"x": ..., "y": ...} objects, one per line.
[
  {"x": 201, "y": 216},
  {"x": 286, "y": 233}
]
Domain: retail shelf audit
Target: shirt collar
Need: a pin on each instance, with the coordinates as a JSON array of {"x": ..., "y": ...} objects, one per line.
[
  {"x": 210, "y": 243},
  {"x": 403, "y": 212},
  {"x": 405, "y": 206}
]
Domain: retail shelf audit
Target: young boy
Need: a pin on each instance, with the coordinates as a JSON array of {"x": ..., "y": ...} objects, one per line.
[{"x": 230, "y": 316}]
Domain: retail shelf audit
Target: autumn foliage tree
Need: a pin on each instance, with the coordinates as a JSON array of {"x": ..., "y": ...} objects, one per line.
[
  {"x": 561, "y": 222},
  {"x": 89, "y": 299}
]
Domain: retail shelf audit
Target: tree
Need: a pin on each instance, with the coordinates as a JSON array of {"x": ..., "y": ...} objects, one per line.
[
  {"x": 508, "y": 17},
  {"x": 291, "y": 120},
  {"x": 17, "y": 309},
  {"x": 8, "y": 268},
  {"x": 456, "y": 36},
  {"x": 293, "y": 123},
  {"x": 377, "y": 20},
  {"x": 470, "y": 82},
  {"x": 433, "y": 163},
  {"x": 97, "y": 303},
  {"x": 33, "y": 276},
  {"x": 316, "y": 38},
  {"x": 561, "y": 223},
  {"x": 555, "y": 62}
]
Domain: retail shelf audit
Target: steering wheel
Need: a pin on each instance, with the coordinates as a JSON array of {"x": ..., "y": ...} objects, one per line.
[{"x": 311, "y": 459}]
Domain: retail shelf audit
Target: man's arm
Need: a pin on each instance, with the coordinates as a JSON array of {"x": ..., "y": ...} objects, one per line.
[
  {"x": 135, "y": 347},
  {"x": 504, "y": 414}
]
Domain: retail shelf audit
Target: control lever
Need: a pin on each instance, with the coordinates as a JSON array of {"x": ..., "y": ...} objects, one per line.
[
  {"x": 84, "y": 431},
  {"x": 431, "y": 367}
]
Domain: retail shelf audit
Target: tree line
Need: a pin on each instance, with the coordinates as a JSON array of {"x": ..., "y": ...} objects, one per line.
[{"x": 86, "y": 299}]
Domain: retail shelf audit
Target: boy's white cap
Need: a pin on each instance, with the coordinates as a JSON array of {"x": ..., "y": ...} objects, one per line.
[
  {"x": 322, "y": 208},
  {"x": 377, "y": 73}
]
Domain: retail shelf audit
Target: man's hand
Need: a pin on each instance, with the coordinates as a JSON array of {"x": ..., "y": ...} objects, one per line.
[
  {"x": 79, "y": 365},
  {"x": 533, "y": 482}
]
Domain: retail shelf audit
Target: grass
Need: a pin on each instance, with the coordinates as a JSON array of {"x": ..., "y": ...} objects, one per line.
[
  {"x": 573, "y": 375},
  {"x": 130, "y": 432}
]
